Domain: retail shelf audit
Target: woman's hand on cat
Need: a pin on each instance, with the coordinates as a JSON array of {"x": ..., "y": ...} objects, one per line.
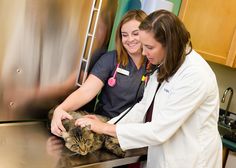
[
  {"x": 56, "y": 124},
  {"x": 90, "y": 121},
  {"x": 96, "y": 125}
]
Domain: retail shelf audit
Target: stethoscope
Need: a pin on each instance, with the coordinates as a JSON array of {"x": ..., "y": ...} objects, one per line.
[
  {"x": 144, "y": 79},
  {"x": 150, "y": 72},
  {"x": 112, "y": 80}
]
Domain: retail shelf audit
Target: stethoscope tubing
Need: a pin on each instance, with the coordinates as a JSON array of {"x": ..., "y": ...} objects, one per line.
[{"x": 136, "y": 96}]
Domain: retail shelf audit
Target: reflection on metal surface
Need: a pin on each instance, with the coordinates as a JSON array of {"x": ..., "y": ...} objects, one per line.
[
  {"x": 41, "y": 50},
  {"x": 24, "y": 146},
  {"x": 30, "y": 145}
]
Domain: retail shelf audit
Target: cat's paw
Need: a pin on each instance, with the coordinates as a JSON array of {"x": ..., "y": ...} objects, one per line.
[{"x": 113, "y": 146}]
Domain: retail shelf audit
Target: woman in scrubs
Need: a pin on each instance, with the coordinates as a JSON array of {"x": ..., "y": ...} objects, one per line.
[
  {"x": 183, "y": 131},
  {"x": 117, "y": 74}
]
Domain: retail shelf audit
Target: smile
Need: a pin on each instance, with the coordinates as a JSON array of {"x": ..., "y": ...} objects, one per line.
[{"x": 132, "y": 44}]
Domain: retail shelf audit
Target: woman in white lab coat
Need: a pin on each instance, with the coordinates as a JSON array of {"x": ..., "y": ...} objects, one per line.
[{"x": 183, "y": 131}]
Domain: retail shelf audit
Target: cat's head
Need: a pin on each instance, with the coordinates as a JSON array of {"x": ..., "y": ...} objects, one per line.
[{"x": 80, "y": 140}]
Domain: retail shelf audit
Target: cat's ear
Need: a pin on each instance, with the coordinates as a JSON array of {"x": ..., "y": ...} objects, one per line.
[
  {"x": 65, "y": 134},
  {"x": 87, "y": 128}
]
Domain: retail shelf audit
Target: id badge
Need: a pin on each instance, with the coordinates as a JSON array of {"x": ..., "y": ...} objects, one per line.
[{"x": 123, "y": 71}]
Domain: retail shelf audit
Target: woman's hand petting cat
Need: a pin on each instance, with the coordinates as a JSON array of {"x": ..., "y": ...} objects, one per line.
[
  {"x": 96, "y": 125},
  {"x": 56, "y": 124}
]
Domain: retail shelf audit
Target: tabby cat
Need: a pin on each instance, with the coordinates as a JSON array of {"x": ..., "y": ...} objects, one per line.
[{"x": 84, "y": 141}]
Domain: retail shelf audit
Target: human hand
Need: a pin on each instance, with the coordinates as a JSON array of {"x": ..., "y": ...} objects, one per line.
[
  {"x": 56, "y": 124},
  {"x": 95, "y": 124}
]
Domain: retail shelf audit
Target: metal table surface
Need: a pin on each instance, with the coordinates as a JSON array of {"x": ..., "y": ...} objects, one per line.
[{"x": 30, "y": 145}]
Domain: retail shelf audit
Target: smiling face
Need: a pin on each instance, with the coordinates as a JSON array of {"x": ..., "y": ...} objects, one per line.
[
  {"x": 130, "y": 37},
  {"x": 152, "y": 49}
]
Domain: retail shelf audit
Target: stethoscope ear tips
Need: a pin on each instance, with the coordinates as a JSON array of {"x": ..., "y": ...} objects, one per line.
[{"x": 112, "y": 82}]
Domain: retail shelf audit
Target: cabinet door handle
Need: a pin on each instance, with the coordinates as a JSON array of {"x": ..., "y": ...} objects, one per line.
[{"x": 232, "y": 51}]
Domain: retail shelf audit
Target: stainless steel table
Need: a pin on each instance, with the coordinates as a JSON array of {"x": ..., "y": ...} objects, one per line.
[{"x": 30, "y": 145}]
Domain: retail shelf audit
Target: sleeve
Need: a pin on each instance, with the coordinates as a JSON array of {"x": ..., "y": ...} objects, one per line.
[
  {"x": 187, "y": 95},
  {"x": 104, "y": 67}
]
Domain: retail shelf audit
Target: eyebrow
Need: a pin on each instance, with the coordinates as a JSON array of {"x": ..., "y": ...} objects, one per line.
[
  {"x": 132, "y": 31},
  {"x": 147, "y": 45},
  {"x": 135, "y": 31}
]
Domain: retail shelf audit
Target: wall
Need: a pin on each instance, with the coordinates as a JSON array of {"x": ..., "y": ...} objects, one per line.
[{"x": 226, "y": 77}]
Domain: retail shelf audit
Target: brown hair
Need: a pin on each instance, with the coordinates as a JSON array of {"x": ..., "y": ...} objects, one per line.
[
  {"x": 174, "y": 37},
  {"x": 122, "y": 55}
]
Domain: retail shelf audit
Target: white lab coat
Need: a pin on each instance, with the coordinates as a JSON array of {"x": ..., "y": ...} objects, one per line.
[{"x": 183, "y": 132}]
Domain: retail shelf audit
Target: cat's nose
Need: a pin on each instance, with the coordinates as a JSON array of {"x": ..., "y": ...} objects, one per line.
[{"x": 83, "y": 152}]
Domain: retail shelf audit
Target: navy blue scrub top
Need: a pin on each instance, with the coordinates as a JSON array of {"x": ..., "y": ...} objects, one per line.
[{"x": 114, "y": 100}]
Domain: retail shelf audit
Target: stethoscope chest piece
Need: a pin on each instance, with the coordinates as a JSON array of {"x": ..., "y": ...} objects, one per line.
[{"x": 112, "y": 80}]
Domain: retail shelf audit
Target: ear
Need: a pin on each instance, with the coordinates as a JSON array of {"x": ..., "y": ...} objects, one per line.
[
  {"x": 87, "y": 128},
  {"x": 65, "y": 134}
]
